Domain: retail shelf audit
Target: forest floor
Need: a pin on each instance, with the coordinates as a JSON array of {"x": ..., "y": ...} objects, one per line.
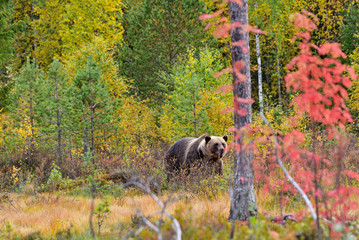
[{"x": 59, "y": 215}]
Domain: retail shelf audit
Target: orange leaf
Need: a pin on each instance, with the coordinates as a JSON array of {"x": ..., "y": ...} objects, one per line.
[
  {"x": 222, "y": 31},
  {"x": 227, "y": 110},
  {"x": 352, "y": 73},
  {"x": 244, "y": 101},
  {"x": 254, "y": 29},
  {"x": 226, "y": 70},
  {"x": 351, "y": 174},
  {"x": 225, "y": 89},
  {"x": 239, "y": 2}
]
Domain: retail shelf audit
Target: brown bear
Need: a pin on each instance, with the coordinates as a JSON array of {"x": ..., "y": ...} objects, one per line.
[{"x": 205, "y": 152}]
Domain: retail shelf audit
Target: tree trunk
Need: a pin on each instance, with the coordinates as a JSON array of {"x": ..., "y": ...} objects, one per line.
[
  {"x": 32, "y": 139},
  {"x": 243, "y": 200},
  {"x": 92, "y": 130},
  {"x": 58, "y": 122},
  {"x": 259, "y": 62},
  {"x": 260, "y": 78},
  {"x": 86, "y": 140}
]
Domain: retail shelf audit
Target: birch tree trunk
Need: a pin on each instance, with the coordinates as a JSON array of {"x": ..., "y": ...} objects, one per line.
[
  {"x": 259, "y": 62},
  {"x": 243, "y": 199}
]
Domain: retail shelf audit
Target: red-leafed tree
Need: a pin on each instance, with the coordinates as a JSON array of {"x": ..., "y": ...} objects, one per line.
[{"x": 320, "y": 81}]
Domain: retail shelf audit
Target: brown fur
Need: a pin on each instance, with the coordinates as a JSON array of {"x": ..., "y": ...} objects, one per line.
[{"x": 205, "y": 152}]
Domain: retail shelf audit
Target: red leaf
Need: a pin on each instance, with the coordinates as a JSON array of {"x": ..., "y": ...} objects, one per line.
[
  {"x": 333, "y": 49},
  {"x": 223, "y": 19},
  {"x": 205, "y": 16},
  {"x": 239, "y": 43},
  {"x": 225, "y": 89},
  {"x": 254, "y": 29},
  {"x": 227, "y": 110},
  {"x": 241, "y": 112},
  {"x": 302, "y": 21},
  {"x": 226, "y": 70},
  {"x": 244, "y": 101},
  {"x": 238, "y": 65},
  {"x": 239, "y": 2},
  {"x": 232, "y": 129},
  {"x": 352, "y": 73},
  {"x": 222, "y": 31},
  {"x": 209, "y": 16},
  {"x": 306, "y": 12},
  {"x": 351, "y": 174}
]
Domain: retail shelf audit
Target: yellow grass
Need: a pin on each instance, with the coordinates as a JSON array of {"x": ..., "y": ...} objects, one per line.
[{"x": 50, "y": 214}]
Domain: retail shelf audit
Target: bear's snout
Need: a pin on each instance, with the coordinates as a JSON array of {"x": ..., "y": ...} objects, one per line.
[{"x": 220, "y": 152}]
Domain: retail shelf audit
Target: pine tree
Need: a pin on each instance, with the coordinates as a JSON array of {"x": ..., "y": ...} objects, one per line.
[
  {"x": 24, "y": 101},
  {"x": 96, "y": 104},
  {"x": 56, "y": 107}
]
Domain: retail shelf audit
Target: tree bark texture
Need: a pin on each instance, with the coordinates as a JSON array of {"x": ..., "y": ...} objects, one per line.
[{"x": 243, "y": 200}]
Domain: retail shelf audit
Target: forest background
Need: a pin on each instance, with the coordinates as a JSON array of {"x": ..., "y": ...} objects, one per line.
[{"x": 91, "y": 88}]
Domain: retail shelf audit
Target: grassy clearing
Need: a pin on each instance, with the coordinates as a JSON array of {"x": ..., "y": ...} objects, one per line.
[{"x": 63, "y": 215}]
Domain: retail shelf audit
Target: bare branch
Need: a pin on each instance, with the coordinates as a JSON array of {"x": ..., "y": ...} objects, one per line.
[
  {"x": 286, "y": 173},
  {"x": 151, "y": 225},
  {"x": 144, "y": 187}
]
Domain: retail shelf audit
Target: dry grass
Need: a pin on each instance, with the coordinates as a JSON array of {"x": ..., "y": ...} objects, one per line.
[{"x": 50, "y": 214}]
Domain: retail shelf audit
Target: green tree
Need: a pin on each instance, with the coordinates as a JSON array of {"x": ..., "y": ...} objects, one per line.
[
  {"x": 97, "y": 106},
  {"x": 191, "y": 106},
  {"x": 7, "y": 32},
  {"x": 157, "y": 32},
  {"x": 56, "y": 105},
  {"x": 24, "y": 98},
  {"x": 350, "y": 29}
]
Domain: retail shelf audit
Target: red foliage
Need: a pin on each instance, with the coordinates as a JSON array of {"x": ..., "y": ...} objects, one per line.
[
  {"x": 225, "y": 89},
  {"x": 319, "y": 80}
]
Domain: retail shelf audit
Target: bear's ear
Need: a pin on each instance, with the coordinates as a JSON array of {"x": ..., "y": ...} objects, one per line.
[
  {"x": 225, "y": 137},
  {"x": 207, "y": 138}
]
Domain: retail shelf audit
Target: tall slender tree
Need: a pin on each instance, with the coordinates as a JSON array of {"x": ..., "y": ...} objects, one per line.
[
  {"x": 24, "y": 101},
  {"x": 97, "y": 106},
  {"x": 56, "y": 107},
  {"x": 243, "y": 202}
]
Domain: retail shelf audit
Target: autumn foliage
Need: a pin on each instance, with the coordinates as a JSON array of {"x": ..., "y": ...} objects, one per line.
[{"x": 315, "y": 158}]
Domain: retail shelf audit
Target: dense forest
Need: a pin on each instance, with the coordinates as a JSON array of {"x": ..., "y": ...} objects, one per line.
[{"x": 93, "y": 94}]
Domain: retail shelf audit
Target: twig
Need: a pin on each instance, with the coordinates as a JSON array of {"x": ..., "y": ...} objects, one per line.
[
  {"x": 175, "y": 224},
  {"x": 286, "y": 173}
]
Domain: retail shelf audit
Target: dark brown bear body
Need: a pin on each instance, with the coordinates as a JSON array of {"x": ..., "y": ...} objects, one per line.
[{"x": 204, "y": 153}]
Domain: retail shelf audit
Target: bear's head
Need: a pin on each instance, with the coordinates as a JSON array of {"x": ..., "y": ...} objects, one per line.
[{"x": 216, "y": 146}]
